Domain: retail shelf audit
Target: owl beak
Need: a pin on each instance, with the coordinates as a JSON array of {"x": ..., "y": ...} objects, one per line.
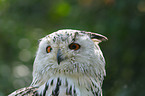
[{"x": 59, "y": 56}]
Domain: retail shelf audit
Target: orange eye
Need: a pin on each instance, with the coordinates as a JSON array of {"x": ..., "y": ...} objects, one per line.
[
  {"x": 48, "y": 49},
  {"x": 74, "y": 46}
]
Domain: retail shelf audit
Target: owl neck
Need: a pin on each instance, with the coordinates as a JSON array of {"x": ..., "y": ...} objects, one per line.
[{"x": 77, "y": 83}]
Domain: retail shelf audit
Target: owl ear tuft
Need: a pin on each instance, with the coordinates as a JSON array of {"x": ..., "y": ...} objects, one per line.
[{"x": 97, "y": 37}]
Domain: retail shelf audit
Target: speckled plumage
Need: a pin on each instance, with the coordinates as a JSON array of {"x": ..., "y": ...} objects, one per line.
[{"x": 80, "y": 72}]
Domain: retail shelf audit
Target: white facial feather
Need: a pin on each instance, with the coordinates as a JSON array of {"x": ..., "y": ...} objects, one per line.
[{"x": 85, "y": 66}]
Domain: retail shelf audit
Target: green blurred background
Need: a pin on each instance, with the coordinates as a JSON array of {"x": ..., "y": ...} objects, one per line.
[{"x": 23, "y": 22}]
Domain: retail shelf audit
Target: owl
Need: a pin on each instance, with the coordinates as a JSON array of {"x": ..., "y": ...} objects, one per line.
[{"x": 68, "y": 63}]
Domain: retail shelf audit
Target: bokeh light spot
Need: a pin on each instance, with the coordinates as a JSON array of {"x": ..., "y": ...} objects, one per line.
[
  {"x": 141, "y": 6},
  {"x": 62, "y": 9},
  {"x": 21, "y": 71},
  {"x": 24, "y": 43},
  {"x": 25, "y": 55}
]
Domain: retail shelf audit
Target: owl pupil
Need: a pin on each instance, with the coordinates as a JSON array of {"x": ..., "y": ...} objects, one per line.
[{"x": 73, "y": 46}]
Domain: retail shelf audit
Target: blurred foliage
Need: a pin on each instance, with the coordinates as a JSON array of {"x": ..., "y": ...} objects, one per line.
[{"x": 23, "y": 22}]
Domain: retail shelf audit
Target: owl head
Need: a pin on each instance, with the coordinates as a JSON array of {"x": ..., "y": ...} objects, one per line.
[{"x": 69, "y": 52}]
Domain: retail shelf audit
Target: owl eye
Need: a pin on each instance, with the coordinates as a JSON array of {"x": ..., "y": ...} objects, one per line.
[
  {"x": 74, "y": 46},
  {"x": 48, "y": 49}
]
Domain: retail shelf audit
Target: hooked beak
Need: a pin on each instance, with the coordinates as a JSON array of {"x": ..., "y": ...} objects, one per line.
[{"x": 59, "y": 56}]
